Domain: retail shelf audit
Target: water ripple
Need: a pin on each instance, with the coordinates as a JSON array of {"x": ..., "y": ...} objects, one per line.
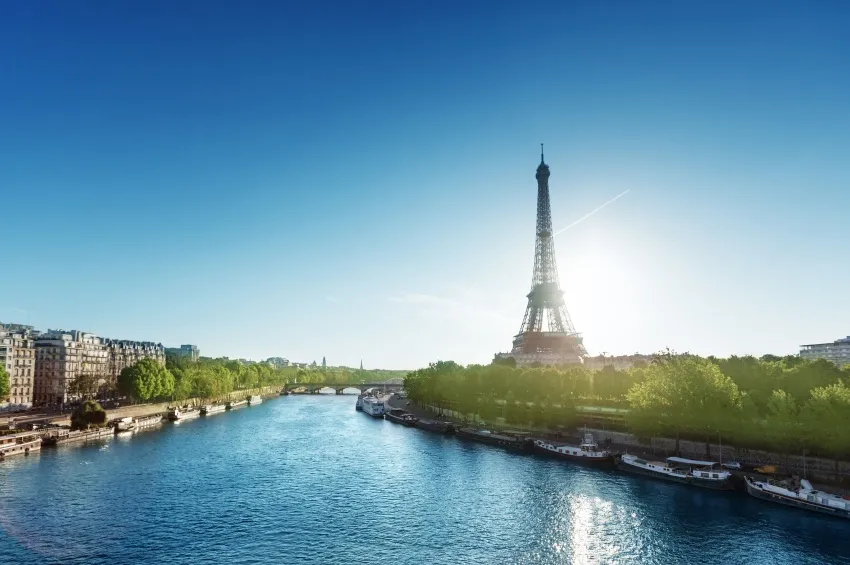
[{"x": 308, "y": 480}]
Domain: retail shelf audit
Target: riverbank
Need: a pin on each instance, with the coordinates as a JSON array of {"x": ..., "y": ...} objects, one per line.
[{"x": 829, "y": 472}]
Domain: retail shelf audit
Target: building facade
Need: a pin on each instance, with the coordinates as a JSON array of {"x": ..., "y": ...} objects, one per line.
[
  {"x": 123, "y": 353},
  {"x": 837, "y": 351},
  {"x": 70, "y": 365},
  {"x": 17, "y": 356},
  {"x": 278, "y": 362}
]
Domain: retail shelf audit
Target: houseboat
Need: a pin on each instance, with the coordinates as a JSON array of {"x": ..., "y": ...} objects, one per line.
[
  {"x": 22, "y": 443},
  {"x": 186, "y": 413},
  {"x": 587, "y": 452},
  {"x": 123, "y": 425},
  {"x": 254, "y": 400},
  {"x": 511, "y": 440},
  {"x": 435, "y": 426},
  {"x": 373, "y": 406},
  {"x": 62, "y": 435},
  {"x": 678, "y": 469},
  {"x": 235, "y": 404},
  {"x": 210, "y": 409},
  {"x": 400, "y": 417},
  {"x": 798, "y": 494},
  {"x": 147, "y": 421}
]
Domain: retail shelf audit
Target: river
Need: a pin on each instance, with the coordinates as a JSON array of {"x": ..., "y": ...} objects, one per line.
[{"x": 309, "y": 480}]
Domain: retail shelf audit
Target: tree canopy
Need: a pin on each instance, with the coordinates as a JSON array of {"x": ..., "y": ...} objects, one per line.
[
  {"x": 4, "y": 384},
  {"x": 88, "y": 414},
  {"x": 783, "y": 403}
]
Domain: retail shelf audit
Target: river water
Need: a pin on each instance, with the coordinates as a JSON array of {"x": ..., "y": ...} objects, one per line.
[{"x": 309, "y": 480}]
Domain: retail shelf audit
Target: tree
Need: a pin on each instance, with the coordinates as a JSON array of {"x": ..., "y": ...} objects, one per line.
[
  {"x": 89, "y": 414},
  {"x": 85, "y": 384},
  {"x": 4, "y": 384},
  {"x": 146, "y": 380},
  {"x": 683, "y": 393},
  {"x": 827, "y": 413}
]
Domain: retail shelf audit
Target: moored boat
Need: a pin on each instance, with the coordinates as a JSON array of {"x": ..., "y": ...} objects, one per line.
[
  {"x": 210, "y": 409},
  {"x": 510, "y": 440},
  {"x": 22, "y": 443},
  {"x": 435, "y": 426},
  {"x": 124, "y": 425},
  {"x": 678, "y": 469},
  {"x": 400, "y": 416},
  {"x": 186, "y": 413},
  {"x": 373, "y": 406},
  {"x": 587, "y": 452},
  {"x": 359, "y": 404},
  {"x": 147, "y": 421},
  {"x": 254, "y": 400},
  {"x": 798, "y": 494},
  {"x": 235, "y": 404}
]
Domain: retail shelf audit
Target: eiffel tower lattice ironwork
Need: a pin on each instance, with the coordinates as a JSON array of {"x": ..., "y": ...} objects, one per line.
[{"x": 547, "y": 335}]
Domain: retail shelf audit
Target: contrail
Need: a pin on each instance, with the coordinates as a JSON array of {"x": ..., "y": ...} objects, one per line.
[{"x": 589, "y": 214}]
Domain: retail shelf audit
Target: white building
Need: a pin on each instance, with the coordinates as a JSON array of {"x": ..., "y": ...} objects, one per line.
[
  {"x": 64, "y": 357},
  {"x": 838, "y": 351},
  {"x": 17, "y": 356}
]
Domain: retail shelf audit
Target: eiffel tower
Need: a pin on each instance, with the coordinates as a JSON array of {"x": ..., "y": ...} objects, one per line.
[{"x": 547, "y": 335}]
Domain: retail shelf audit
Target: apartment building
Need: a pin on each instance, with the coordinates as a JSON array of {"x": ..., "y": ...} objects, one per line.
[
  {"x": 68, "y": 364},
  {"x": 17, "y": 356},
  {"x": 837, "y": 351},
  {"x": 124, "y": 353},
  {"x": 73, "y": 364}
]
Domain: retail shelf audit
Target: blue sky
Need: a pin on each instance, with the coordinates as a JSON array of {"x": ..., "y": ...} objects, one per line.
[{"x": 357, "y": 179}]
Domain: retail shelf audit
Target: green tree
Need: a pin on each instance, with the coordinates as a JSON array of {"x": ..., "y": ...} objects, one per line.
[
  {"x": 827, "y": 413},
  {"x": 4, "y": 384},
  {"x": 146, "y": 380},
  {"x": 87, "y": 415},
  {"x": 684, "y": 394}
]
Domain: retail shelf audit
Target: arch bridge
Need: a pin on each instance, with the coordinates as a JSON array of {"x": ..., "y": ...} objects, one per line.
[{"x": 313, "y": 388}]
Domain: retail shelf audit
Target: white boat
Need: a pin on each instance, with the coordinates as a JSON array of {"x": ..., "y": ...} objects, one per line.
[
  {"x": 359, "y": 404},
  {"x": 210, "y": 409},
  {"x": 147, "y": 421},
  {"x": 373, "y": 406},
  {"x": 254, "y": 400},
  {"x": 235, "y": 404},
  {"x": 125, "y": 425},
  {"x": 799, "y": 495},
  {"x": 678, "y": 469},
  {"x": 186, "y": 413},
  {"x": 22, "y": 443},
  {"x": 587, "y": 452}
]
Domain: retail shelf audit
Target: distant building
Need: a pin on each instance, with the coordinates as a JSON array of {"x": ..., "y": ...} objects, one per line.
[
  {"x": 278, "y": 362},
  {"x": 838, "y": 351},
  {"x": 190, "y": 352},
  {"x": 17, "y": 356}
]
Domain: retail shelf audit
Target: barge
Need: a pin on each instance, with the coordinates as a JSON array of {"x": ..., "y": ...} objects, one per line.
[
  {"x": 679, "y": 470},
  {"x": 400, "y": 416},
  {"x": 587, "y": 452},
  {"x": 511, "y": 440},
  {"x": 798, "y": 494},
  {"x": 60, "y": 436},
  {"x": 435, "y": 426},
  {"x": 254, "y": 400},
  {"x": 235, "y": 404},
  {"x": 22, "y": 443},
  {"x": 210, "y": 409},
  {"x": 186, "y": 413},
  {"x": 147, "y": 421}
]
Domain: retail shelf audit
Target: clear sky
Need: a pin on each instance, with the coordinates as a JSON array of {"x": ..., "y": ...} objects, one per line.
[{"x": 356, "y": 179}]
